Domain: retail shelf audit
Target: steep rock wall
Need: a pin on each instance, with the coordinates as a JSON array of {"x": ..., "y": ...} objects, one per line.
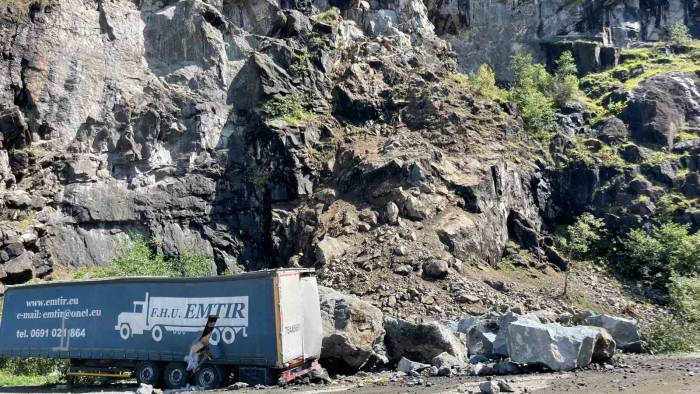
[{"x": 151, "y": 118}]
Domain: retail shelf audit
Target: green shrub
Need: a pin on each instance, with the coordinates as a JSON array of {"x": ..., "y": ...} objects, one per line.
[
  {"x": 301, "y": 62},
  {"x": 32, "y": 365},
  {"x": 670, "y": 334},
  {"x": 31, "y": 371},
  {"x": 527, "y": 73},
  {"x": 12, "y": 380},
  {"x": 136, "y": 258},
  {"x": 289, "y": 109},
  {"x": 483, "y": 81},
  {"x": 668, "y": 250},
  {"x": 330, "y": 16},
  {"x": 536, "y": 109},
  {"x": 684, "y": 294},
  {"x": 582, "y": 241},
  {"x": 189, "y": 264},
  {"x": 537, "y": 93},
  {"x": 584, "y": 236},
  {"x": 678, "y": 34}
]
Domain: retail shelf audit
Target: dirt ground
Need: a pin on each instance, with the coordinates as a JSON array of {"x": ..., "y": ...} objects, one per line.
[{"x": 642, "y": 374}]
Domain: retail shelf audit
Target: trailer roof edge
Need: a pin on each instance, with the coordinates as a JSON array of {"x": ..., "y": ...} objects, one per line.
[{"x": 162, "y": 279}]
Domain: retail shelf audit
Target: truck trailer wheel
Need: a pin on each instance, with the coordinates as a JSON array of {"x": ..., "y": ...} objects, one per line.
[
  {"x": 147, "y": 372},
  {"x": 175, "y": 375},
  {"x": 157, "y": 333},
  {"x": 125, "y": 331},
  {"x": 209, "y": 377}
]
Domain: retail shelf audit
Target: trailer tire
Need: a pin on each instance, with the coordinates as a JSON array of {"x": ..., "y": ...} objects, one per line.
[
  {"x": 175, "y": 375},
  {"x": 147, "y": 372},
  {"x": 157, "y": 333},
  {"x": 215, "y": 337},
  {"x": 228, "y": 335},
  {"x": 125, "y": 331},
  {"x": 209, "y": 377}
]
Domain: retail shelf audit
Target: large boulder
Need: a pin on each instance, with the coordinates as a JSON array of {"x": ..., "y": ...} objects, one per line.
[
  {"x": 661, "y": 105},
  {"x": 392, "y": 213},
  {"x": 17, "y": 270},
  {"x": 435, "y": 269},
  {"x": 406, "y": 366},
  {"x": 329, "y": 249},
  {"x": 624, "y": 331},
  {"x": 488, "y": 321},
  {"x": 421, "y": 342},
  {"x": 611, "y": 130},
  {"x": 445, "y": 359},
  {"x": 604, "y": 347},
  {"x": 556, "y": 347},
  {"x": 351, "y": 329},
  {"x": 500, "y": 343},
  {"x": 481, "y": 341}
]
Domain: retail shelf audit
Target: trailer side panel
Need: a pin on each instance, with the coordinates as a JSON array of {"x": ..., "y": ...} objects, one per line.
[{"x": 141, "y": 320}]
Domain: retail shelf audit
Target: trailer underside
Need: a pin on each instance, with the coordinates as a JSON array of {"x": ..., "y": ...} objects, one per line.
[{"x": 172, "y": 375}]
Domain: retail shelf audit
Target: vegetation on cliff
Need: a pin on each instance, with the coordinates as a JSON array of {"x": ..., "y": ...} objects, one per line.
[{"x": 137, "y": 257}]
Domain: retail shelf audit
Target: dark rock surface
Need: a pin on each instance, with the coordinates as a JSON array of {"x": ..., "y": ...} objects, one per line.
[{"x": 661, "y": 105}]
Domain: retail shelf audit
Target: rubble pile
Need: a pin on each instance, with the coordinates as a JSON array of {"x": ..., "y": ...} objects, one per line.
[{"x": 490, "y": 344}]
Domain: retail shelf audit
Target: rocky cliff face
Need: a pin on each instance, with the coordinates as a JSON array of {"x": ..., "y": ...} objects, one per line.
[
  {"x": 284, "y": 133},
  {"x": 485, "y": 31},
  {"x": 120, "y": 117}
]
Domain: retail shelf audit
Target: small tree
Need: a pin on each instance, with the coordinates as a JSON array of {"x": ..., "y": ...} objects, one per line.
[
  {"x": 565, "y": 82},
  {"x": 679, "y": 34},
  {"x": 530, "y": 93},
  {"x": 583, "y": 238},
  {"x": 483, "y": 81},
  {"x": 530, "y": 74}
]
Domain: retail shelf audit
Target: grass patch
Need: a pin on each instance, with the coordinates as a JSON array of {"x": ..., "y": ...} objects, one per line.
[
  {"x": 580, "y": 300},
  {"x": 31, "y": 371},
  {"x": 289, "y": 109},
  {"x": 524, "y": 275},
  {"x": 675, "y": 66},
  {"x": 609, "y": 157},
  {"x": 322, "y": 150},
  {"x": 628, "y": 54},
  {"x": 636, "y": 65},
  {"x": 685, "y": 135},
  {"x": 658, "y": 157},
  {"x": 330, "y": 16},
  {"x": 671, "y": 205},
  {"x": 8, "y": 379},
  {"x": 21, "y": 225}
]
